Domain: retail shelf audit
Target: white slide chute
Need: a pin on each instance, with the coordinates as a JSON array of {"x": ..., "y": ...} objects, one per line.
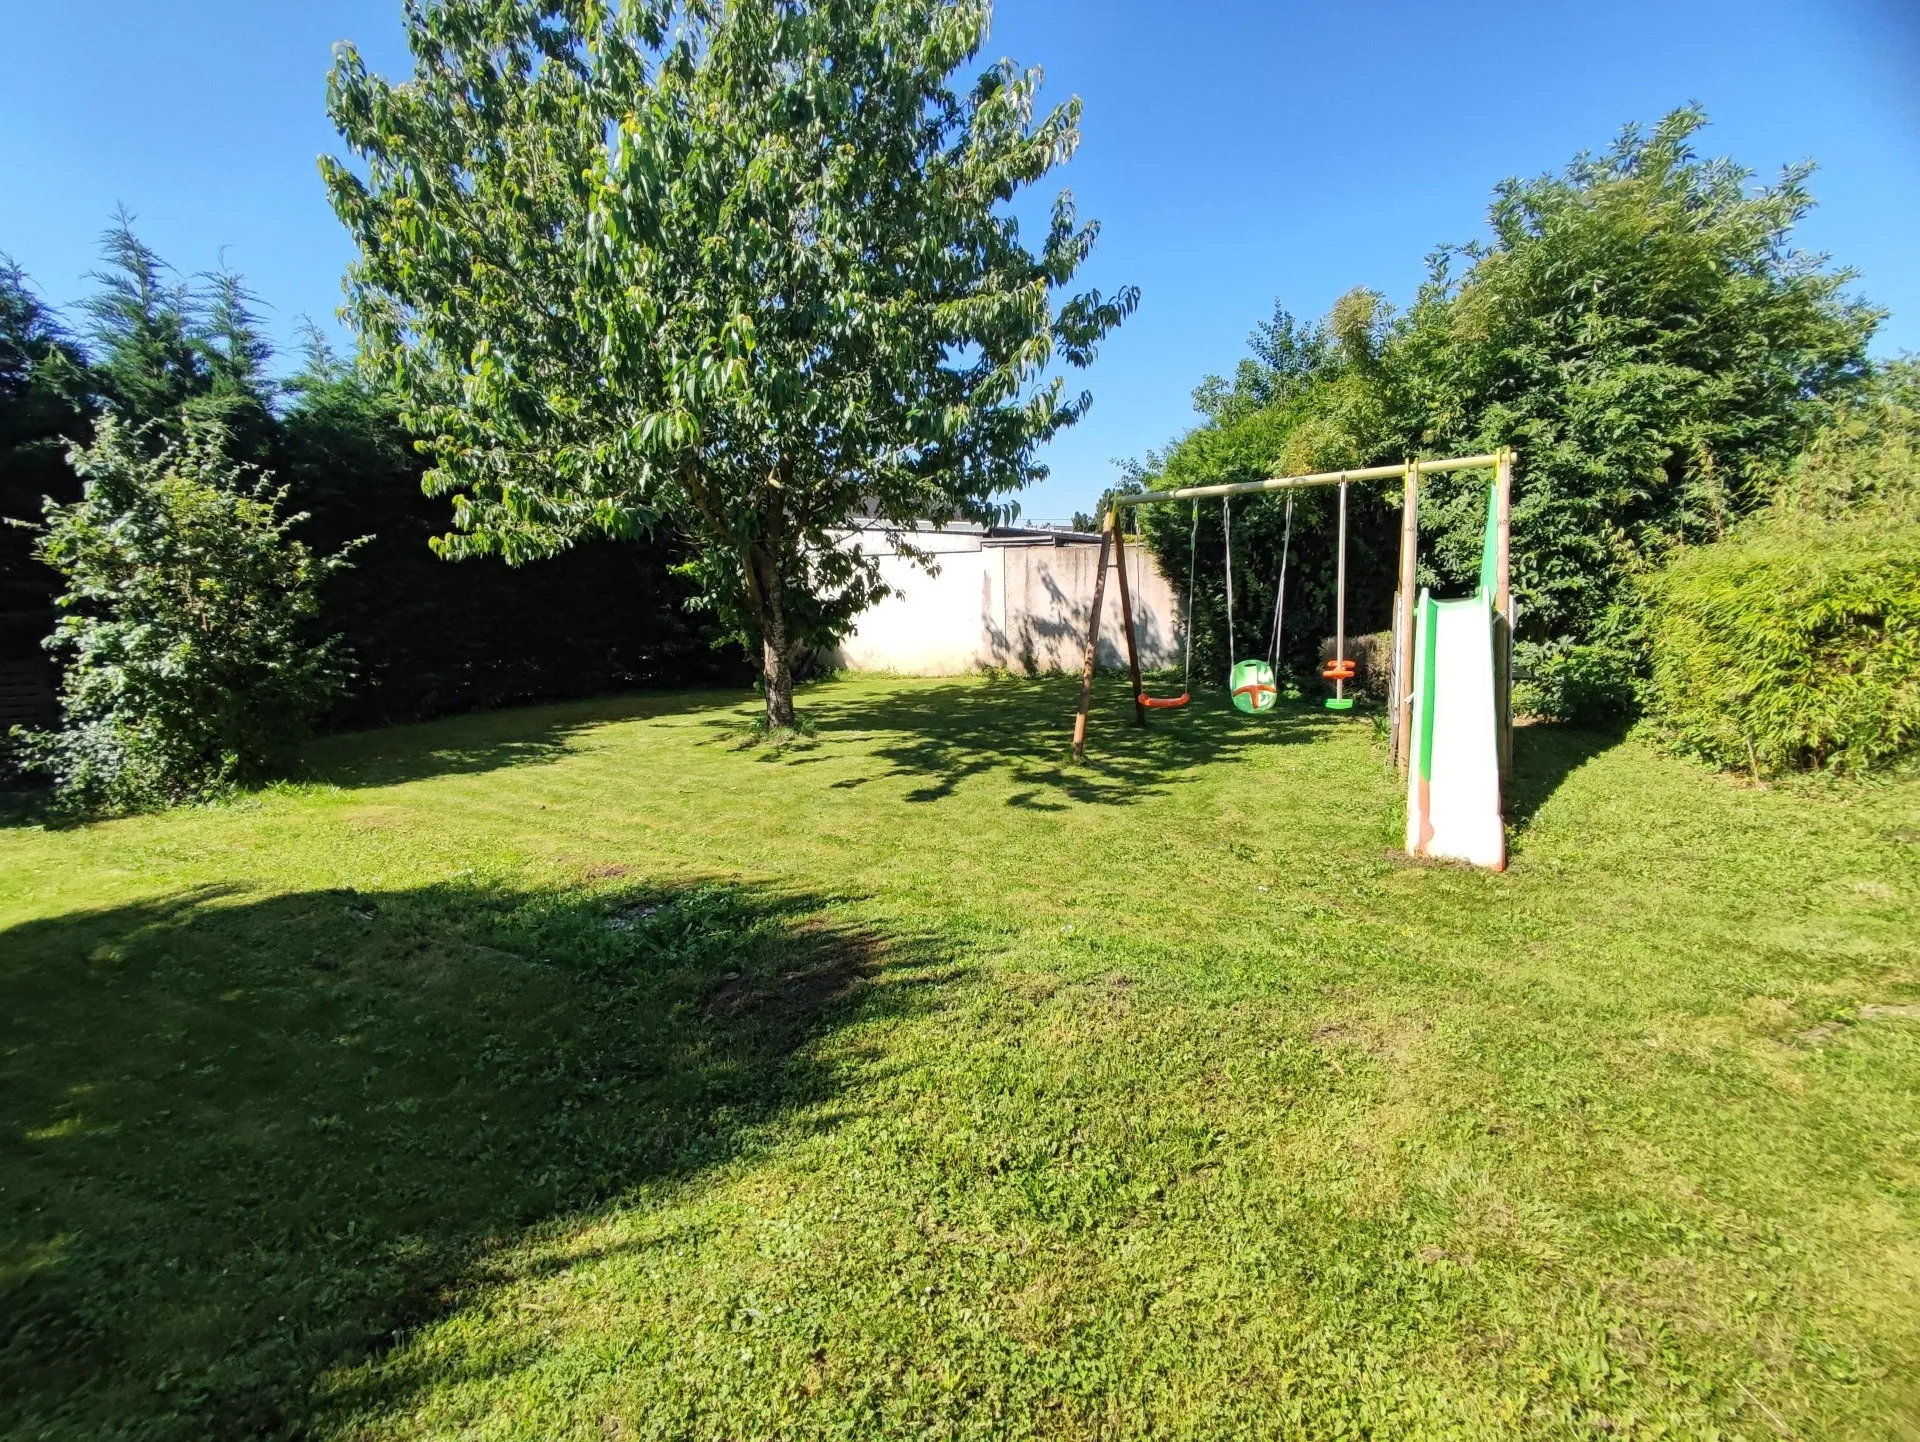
[{"x": 1453, "y": 781}]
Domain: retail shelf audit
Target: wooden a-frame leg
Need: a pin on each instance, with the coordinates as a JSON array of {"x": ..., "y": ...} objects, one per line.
[{"x": 1093, "y": 644}]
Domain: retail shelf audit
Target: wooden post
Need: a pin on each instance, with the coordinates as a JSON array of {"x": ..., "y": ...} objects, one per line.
[
  {"x": 1394, "y": 683},
  {"x": 1503, "y": 606},
  {"x": 1403, "y": 638},
  {"x": 1503, "y": 532},
  {"x": 1093, "y": 641},
  {"x": 1126, "y": 615}
]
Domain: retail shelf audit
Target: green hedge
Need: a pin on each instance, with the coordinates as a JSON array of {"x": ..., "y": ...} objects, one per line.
[
  {"x": 1793, "y": 647},
  {"x": 1594, "y": 687}
]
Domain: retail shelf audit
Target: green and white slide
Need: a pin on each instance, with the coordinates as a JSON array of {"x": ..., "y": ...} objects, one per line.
[{"x": 1453, "y": 783}]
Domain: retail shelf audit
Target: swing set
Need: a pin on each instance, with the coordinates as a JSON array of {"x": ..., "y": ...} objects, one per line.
[{"x": 1252, "y": 683}]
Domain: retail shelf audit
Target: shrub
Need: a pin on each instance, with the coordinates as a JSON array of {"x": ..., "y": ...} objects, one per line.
[
  {"x": 185, "y": 621},
  {"x": 1372, "y": 657},
  {"x": 1867, "y": 460},
  {"x": 1795, "y": 645},
  {"x": 1580, "y": 685}
]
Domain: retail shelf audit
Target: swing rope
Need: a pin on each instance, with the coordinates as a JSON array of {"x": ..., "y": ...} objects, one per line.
[
  {"x": 1280, "y": 593},
  {"x": 1256, "y": 692},
  {"x": 1171, "y": 703},
  {"x": 1340, "y": 669},
  {"x": 1193, "y": 558},
  {"x": 1226, "y": 527}
]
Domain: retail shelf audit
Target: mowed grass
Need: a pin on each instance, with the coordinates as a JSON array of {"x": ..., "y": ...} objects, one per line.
[{"x": 581, "y": 1072}]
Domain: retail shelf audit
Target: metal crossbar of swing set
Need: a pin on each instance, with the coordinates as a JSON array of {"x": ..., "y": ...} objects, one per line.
[{"x": 1294, "y": 483}]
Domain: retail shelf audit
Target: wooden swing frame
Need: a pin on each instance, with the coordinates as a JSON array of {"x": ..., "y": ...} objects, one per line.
[{"x": 1113, "y": 550}]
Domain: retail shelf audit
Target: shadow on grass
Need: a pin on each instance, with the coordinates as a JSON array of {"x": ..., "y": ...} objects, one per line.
[
  {"x": 942, "y": 734},
  {"x": 1544, "y": 755},
  {"x": 245, "y": 1142},
  {"x": 489, "y": 741}
]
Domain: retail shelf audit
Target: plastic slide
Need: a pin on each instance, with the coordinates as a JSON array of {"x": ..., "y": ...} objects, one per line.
[{"x": 1453, "y": 781}]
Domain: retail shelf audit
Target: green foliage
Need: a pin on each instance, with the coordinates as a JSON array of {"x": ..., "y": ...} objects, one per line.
[
  {"x": 1300, "y": 402},
  {"x": 166, "y": 349},
  {"x": 743, "y": 268},
  {"x": 155, "y": 351},
  {"x": 1796, "y": 643},
  {"x": 43, "y": 399},
  {"x": 1789, "y": 648},
  {"x": 186, "y": 623},
  {"x": 1641, "y": 328},
  {"x": 1866, "y": 462},
  {"x": 1588, "y": 686},
  {"x": 428, "y": 637},
  {"x": 42, "y": 372},
  {"x": 150, "y": 356},
  {"x": 1638, "y": 326}
]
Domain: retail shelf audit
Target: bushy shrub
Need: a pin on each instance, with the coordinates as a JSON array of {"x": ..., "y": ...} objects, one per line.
[
  {"x": 1792, "y": 646},
  {"x": 185, "y": 622},
  {"x": 1580, "y": 685}
]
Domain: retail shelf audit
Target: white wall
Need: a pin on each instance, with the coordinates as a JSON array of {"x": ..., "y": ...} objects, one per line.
[{"x": 1023, "y": 607}]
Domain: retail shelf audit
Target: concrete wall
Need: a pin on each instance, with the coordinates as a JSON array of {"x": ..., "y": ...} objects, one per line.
[{"x": 1023, "y": 607}]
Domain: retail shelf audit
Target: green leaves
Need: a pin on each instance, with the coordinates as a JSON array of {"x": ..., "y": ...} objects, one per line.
[
  {"x": 186, "y": 622},
  {"x": 1796, "y": 642},
  {"x": 1642, "y": 329},
  {"x": 1638, "y": 326},
  {"x": 1791, "y": 648},
  {"x": 756, "y": 280}
]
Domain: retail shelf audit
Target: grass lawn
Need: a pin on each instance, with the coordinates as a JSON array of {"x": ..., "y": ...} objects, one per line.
[{"x": 578, "y": 1072}]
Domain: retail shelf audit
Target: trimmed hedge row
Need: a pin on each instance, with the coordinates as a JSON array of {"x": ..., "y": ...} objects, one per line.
[{"x": 1792, "y": 647}]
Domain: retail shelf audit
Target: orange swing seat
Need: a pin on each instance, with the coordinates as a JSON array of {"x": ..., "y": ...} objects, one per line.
[
  {"x": 1163, "y": 703},
  {"x": 1338, "y": 670}
]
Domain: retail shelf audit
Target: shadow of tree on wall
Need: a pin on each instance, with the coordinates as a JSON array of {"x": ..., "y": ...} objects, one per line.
[
  {"x": 248, "y": 1142},
  {"x": 1033, "y": 640},
  {"x": 945, "y": 733}
]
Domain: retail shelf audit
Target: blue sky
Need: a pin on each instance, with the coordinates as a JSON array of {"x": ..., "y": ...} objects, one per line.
[{"x": 1234, "y": 152}]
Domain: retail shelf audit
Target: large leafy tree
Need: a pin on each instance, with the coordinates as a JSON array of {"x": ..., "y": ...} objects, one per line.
[{"x": 744, "y": 267}]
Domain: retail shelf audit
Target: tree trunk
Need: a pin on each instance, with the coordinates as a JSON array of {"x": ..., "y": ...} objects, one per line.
[{"x": 776, "y": 648}]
